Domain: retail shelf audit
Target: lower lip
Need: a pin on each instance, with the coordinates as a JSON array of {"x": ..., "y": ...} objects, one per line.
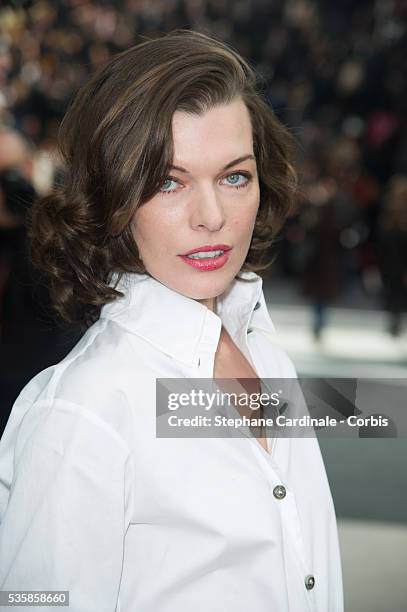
[{"x": 209, "y": 263}]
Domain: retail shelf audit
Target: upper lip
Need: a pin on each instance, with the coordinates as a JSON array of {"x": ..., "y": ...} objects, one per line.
[{"x": 209, "y": 247}]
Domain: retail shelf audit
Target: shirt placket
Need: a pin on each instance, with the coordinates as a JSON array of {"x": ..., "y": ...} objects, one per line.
[{"x": 282, "y": 495}]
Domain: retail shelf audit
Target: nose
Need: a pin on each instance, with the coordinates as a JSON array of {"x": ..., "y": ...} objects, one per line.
[{"x": 207, "y": 210}]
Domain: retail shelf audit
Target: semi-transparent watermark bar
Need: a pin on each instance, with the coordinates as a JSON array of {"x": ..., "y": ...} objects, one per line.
[{"x": 281, "y": 407}]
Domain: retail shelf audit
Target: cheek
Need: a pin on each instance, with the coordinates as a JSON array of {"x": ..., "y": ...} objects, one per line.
[
  {"x": 149, "y": 228},
  {"x": 245, "y": 217}
]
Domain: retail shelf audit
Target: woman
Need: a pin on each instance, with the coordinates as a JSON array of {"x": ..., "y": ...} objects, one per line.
[{"x": 170, "y": 152}]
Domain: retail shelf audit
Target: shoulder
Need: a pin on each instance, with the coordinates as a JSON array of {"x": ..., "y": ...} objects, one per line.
[{"x": 96, "y": 385}]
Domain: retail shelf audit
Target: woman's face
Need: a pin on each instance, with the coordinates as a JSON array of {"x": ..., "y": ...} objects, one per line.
[{"x": 209, "y": 201}]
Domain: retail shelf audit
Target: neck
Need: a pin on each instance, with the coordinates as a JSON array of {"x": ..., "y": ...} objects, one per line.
[{"x": 209, "y": 303}]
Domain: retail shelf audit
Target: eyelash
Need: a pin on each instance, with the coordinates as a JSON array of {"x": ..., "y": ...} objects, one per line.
[{"x": 247, "y": 175}]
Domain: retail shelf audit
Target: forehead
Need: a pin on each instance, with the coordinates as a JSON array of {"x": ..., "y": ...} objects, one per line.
[{"x": 220, "y": 134}]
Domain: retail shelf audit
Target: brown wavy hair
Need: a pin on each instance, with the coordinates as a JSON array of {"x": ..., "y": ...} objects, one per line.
[{"x": 117, "y": 148}]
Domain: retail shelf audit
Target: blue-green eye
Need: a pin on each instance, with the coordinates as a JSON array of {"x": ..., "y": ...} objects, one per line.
[
  {"x": 237, "y": 179},
  {"x": 233, "y": 178},
  {"x": 168, "y": 185}
]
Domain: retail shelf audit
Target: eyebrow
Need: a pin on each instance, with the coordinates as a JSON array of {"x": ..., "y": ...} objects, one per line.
[{"x": 239, "y": 160}]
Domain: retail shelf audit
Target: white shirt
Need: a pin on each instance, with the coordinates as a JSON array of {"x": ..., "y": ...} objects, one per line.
[{"x": 92, "y": 502}]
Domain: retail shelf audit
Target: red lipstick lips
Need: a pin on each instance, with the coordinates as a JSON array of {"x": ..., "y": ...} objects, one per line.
[
  {"x": 212, "y": 262},
  {"x": 209, "y": 247}
]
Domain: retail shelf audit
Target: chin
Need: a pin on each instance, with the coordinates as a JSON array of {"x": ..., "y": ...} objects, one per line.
[
  {"x": 195, "y": 284},
  {"x": 209, "y": 286}
]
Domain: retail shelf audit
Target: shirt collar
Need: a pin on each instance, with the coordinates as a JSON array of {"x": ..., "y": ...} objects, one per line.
[{"x": 180, "y": 326}]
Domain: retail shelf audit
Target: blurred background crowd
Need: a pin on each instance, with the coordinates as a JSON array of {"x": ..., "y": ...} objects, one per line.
[{"x": 335, "y": 74}]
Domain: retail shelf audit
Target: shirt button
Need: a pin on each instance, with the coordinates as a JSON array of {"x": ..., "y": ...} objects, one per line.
[
  {"x": 309, "y": 582},
  {"x": 249, "y": 330},
  {"x": 257, "y": 306},
  {"x": 279, "y": 492}
]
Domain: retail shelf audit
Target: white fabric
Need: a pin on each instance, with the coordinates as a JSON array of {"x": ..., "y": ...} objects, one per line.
[{"x": 91, "y": 501}]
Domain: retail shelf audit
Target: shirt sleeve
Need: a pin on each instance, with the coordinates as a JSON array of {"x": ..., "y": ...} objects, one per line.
[{"x": 66, "y": 518}]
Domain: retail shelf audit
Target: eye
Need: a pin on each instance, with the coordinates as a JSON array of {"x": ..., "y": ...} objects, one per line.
[
  {"x": 238, "y": 179},
  {"x": 168, "y": 185}
]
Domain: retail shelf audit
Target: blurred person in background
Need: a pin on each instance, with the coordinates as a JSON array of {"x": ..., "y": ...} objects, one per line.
[
  {"x": 31, "y": 337},
  {"x": 323, "y": 261},
  {"x": 393, "y": 251},
  {"x": 16, "y": 197}
]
